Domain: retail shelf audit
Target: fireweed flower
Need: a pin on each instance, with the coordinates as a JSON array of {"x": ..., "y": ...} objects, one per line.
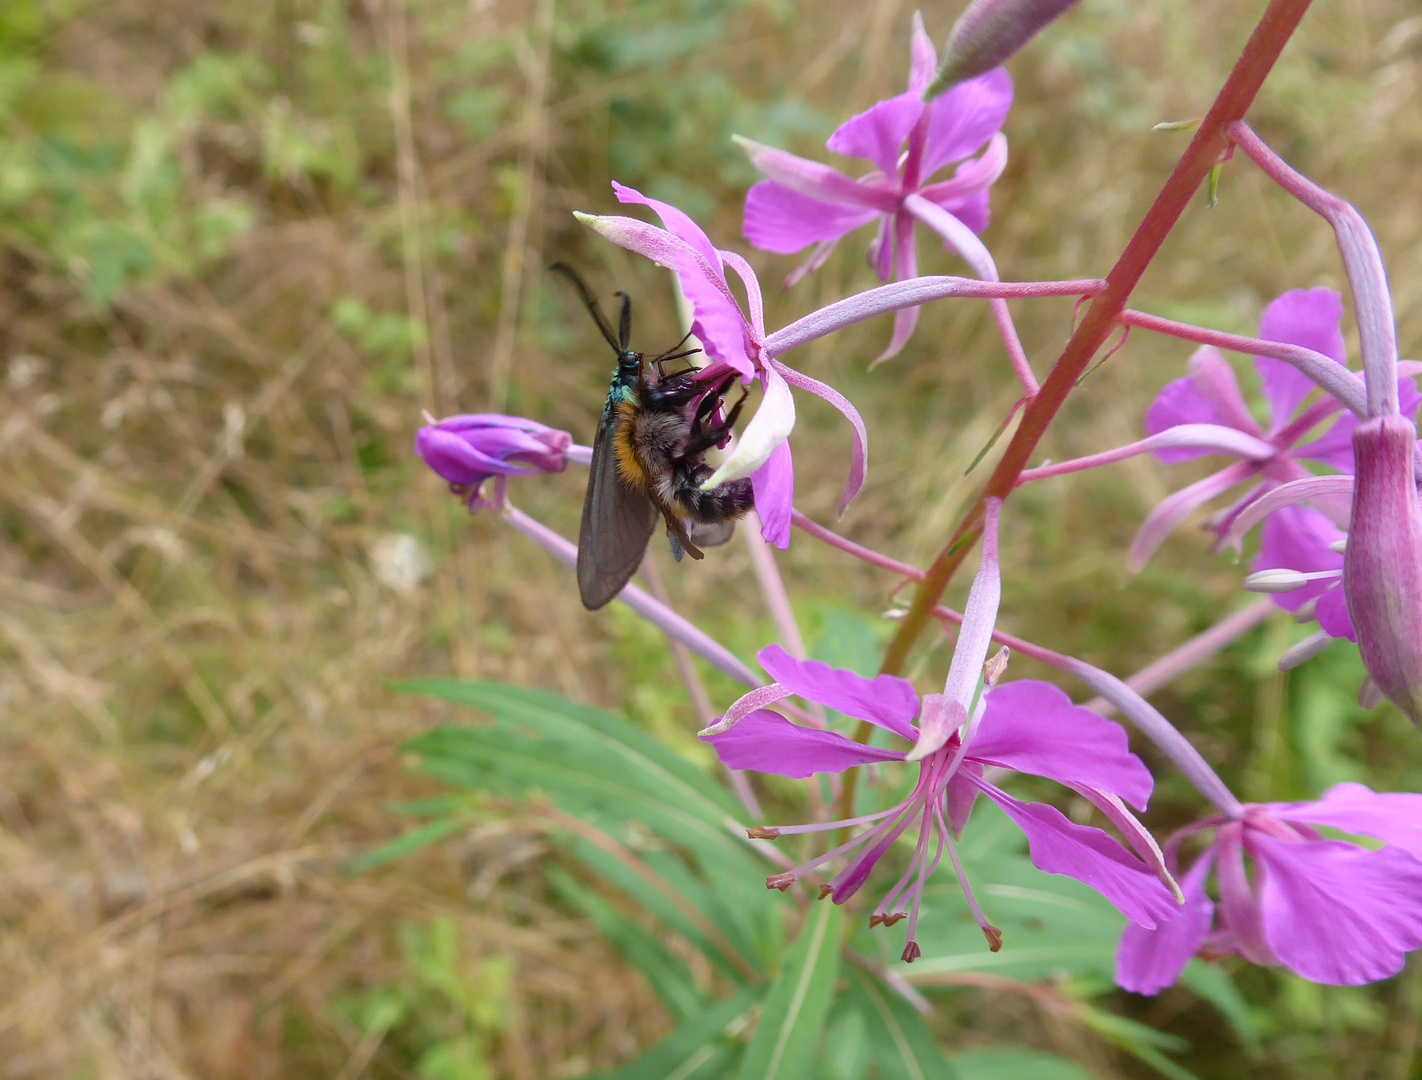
[
  {"x": 907, "y": 140},
  {"x": 1325, "y": 909},
  {"x": 734, "y": 342},
  {"x": 467, "y": 450},
  {"x": 1026, "y": 726}
]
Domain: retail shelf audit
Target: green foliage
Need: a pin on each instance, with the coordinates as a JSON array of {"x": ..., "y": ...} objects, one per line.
[
  {"x": 440, "y": 1018},
  {"x": 651, "y": 826}
]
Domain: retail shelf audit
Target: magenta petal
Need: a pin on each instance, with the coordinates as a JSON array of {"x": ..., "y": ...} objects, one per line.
[
  {"x": 961, "y": 794},
  {"x": 1392, "y": 817},
  {"x": 1056, "y": 846},
  {"x": 923, "y": 58},
  {"x": 1307, "y": 317},
  {"x": 774, "y": 487},
  {"x": 905, "y": 319},
  {"x": 1180, "y": 402},
  {"x": 677, "y": 223},
  {"x": 885, "y": 700},
  {"x": 1296, "y": 538},
  {"x": 878, "y": 133},
  {"x": 1149, "y": 961},
  {"x": 965, "y": 118},
  {"x": 784, "y": 221},
  {"x": 766, "y": 742},
  {"x": 1339, "y": 914},
  {"x": 1331, "y": 611},
  {"x": 1033, "y": 727}
]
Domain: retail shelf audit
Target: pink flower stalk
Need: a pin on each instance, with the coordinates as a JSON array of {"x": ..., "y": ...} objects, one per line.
[
  {"x": 467, "y": 450},
  {"x": 907, "y": 140},
  {"x": 1328, "y": 910},
  {"x": 1026, "y": 726}
]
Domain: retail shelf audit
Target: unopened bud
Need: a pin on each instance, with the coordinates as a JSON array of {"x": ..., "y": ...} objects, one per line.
[{"x": 986, "y": 34}]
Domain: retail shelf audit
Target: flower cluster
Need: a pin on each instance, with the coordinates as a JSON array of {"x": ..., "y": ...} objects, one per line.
[{"x": 1327, "y": 466}]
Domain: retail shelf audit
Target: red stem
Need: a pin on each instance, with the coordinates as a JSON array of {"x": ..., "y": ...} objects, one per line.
[{"x": 1260, "y": 54}]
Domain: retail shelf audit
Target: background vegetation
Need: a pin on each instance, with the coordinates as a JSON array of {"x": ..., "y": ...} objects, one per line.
[{"x": 243, "y": 244}]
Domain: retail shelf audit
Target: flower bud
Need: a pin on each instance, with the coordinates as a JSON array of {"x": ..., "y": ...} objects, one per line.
[
  {"x": 1382, "y": 566},
  {"x": 467, "y": 450},
  {"x": 986, "y": 34}
]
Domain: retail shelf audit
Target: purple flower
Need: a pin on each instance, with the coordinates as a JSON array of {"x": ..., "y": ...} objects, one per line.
[
  {"x": 1207, "y": 413},
  {"x": 907, "y": 140},
  {"x": 736, "y": 343},
  {"x": 467, "y": 450},
  {"x": 1027, "y": 726},
  {"x": 1325, "y": 909}
]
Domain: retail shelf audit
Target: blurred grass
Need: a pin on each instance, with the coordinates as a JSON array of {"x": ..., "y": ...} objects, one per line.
[{"x": 241, "y": 246}]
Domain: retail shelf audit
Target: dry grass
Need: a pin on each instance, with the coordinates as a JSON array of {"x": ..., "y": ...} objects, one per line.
[{"x": 199, "y": 488}]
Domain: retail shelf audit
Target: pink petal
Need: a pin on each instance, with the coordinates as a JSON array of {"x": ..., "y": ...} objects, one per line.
[
  {"x": 1295, "y": 538},
  {"x": 1056, "y": 846},
  {"x": 1339, "y": 914},
  {"x": 878, "y": 133},
  {"x": 718, "y": 322},
  {"x": 1180, "y": 402},
  {"x": 1319, "y": 490},
  {"x": 1241, "y": 922},
  {"x": 961, "y": 794},
  {"x": 818, "y": 181},
  {"x": 784, "y": 221},
  {"x": 966, "y": 195},
  {"x": 1307, "y": 317},
  {"x": 939, "y": 718},
  {"x": 677, "y": 223},
  {"x": 973, "y": 210},
  {"x": 859, "y": 452},
  {"x": 1149, "y": 961},
  {"x": 905, "y": 319},
  {"x": 1033, "y": 727},
  {"x": 1174, "y": 509},
  {"x": 965, "y": 118},
  {"x": 768, "y": 743},
  {"x": 885, "y": 700},
  {"x": 774, "y": 487},
  {"x": 1331, "y": 611},
  {"x": 1392, "y": 817}
]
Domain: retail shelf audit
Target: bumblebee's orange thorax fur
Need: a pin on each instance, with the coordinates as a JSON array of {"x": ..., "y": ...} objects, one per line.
[{"x": 628, "y": 467}]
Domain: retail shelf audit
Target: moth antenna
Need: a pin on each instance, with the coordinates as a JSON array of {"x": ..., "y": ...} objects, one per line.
[
  {"x": 624, "y": 323},
  {"x": 592, "y": 305}
]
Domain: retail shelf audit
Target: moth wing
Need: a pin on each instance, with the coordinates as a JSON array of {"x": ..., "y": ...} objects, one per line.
[
  {"x": 710, "y": 534},
  {"x": 617, "y": 523}
]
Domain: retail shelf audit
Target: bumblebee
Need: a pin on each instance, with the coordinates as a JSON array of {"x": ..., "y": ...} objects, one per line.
[{"x": 648, "y": 461}]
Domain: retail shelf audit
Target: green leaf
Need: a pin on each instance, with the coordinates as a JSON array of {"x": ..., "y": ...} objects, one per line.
[
  {"x": 667, "y": 976},
  {"x": 798, "y": 1002},
  {"x": 1213, "y": 983},
  {"x": 903, "y": 1047},
  {"x": 701, "y": 1049},
  {"x": 1015, "y": 1063},
  {"x": 412, "y": 841}
]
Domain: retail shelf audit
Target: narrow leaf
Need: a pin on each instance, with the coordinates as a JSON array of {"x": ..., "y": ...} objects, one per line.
[
  {"x": 701, "y": 1049},
  {"x": 798, "y": 1002},
  {"x": 412, "y": 841}
]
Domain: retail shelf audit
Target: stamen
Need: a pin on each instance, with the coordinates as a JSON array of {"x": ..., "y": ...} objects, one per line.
[
  {"x": 827, "y": 826},
  {"x": 1282, "y": 579},
  {"x": 963, "y": 883},
  {"x": 780, "y": 881},
  {"x": 763, "y": 832},
  {"x": 911, "y": 952}
]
